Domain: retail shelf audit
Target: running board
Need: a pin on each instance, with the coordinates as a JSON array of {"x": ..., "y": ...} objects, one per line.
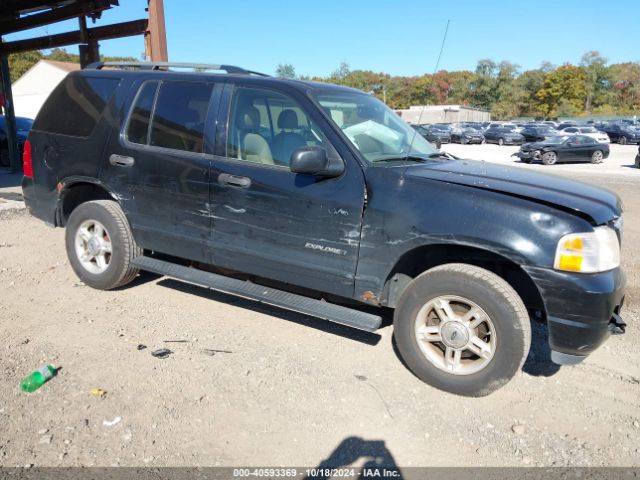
[{"x": 271, "y": 296}]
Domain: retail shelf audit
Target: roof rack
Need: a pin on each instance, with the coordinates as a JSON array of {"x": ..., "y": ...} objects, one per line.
[{"x": 198, "y": 67}]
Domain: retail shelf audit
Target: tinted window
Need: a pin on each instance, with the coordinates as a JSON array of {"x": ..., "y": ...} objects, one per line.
[
  {"x": 138, "y": 129},
  {"x": 75, "y": 105},
  {"x": 179, "y": 116},
  {"x": 266, "y": 127}
]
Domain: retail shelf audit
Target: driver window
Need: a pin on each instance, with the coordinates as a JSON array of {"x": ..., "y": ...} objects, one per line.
[{"x": 266, "y": 127}]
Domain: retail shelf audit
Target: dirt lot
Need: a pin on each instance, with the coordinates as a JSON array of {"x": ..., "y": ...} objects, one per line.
[{"x": 292, "y": 390}]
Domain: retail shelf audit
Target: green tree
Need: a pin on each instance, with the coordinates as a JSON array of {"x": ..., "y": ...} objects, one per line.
[
  {"x": 19, "y": 63},
  {"x": 285, "y": 70},
  {"x": 596, "y": 78}
]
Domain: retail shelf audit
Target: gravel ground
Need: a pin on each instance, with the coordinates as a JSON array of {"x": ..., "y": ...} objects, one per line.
[{"x": 292, "y": 390}]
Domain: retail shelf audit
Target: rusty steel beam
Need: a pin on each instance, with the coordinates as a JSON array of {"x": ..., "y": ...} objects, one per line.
[
  {"x": 117, "y": 30},
  {"x": 155, "y": 40},
  {"x": 55, "y": 15}
]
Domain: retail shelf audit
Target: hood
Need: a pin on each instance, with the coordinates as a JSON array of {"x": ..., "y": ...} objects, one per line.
[{"x": 598, "y": 205}]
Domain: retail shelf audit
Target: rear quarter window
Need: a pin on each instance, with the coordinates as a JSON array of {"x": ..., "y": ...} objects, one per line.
[{"x": 75, "y": 105}]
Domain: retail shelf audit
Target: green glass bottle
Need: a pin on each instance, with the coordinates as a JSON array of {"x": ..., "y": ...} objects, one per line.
[{"x": 38, "y": 378}]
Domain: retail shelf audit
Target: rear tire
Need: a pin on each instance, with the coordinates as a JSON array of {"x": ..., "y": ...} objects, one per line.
[
  {"x": 501, "y": 141},
  {"x": 597, "y": 156},
  {"x": 452, "y": 348},
  {"x": 100, "y": 245},
  {"x": 638, "y": 161},
  {"x": 549, "y": 158}
]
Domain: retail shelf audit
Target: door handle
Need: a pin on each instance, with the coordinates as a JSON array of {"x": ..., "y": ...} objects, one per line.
[
  {"x": 234, "y": 180},
  {"x": 121, "y": 160}
]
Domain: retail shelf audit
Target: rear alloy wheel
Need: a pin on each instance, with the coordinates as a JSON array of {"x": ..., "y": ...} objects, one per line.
[
  {"x": 549, "y": 158},
  {"x": 501, "y": 141},
  {"x": 622, "y": 140},
  {"x": 462, "y": 329},
  {"x": 597, "y": 157},
  {"x": 100, "y": 245}
]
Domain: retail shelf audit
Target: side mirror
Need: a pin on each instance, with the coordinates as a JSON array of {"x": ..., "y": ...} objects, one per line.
[{"x": 315, "y": 161}]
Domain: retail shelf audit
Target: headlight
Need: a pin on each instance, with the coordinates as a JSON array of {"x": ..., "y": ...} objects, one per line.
[{"x": 591, "y": 252}]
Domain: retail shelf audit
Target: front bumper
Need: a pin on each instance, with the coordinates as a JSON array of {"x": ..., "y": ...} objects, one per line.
[
  {"x": 532, "y": 154},
  {"x": 582, "y": 310}
]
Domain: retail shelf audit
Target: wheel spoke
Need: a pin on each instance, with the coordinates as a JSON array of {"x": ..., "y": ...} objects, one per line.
[
  {"x": 444, "y": 311},
  {"x": 452, "y": 358},
  {"x": 86, "y": 257},
  {"x": 479, "y": 347},
  {"x": 473, "y": 313},
  {"x": 430, "y": 333},
  {"x": 101, "y": 261},
  {"x": 98, "y": 231},
  {"x": 106, "y": 247},
  {"x": 84, "y": 234}
]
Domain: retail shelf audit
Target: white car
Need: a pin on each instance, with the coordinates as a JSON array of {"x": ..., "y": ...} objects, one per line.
[{"x": 597, "y": 135}]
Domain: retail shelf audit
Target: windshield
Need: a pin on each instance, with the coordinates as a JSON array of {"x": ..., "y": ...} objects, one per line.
[
  {"x": 557, "y": 139},
  {"x": 372, "y": 127}
]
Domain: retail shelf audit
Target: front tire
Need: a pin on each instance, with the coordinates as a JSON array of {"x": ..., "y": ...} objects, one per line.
[
  {"x": 100, "y": 245},
  {"x": 501, "y": 141},
  {"x": 462, "y": 329},
  {"x": 622, "y": 140}
]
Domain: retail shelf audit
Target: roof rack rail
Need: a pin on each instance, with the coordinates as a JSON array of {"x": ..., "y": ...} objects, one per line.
[{"x": 199, "y": 67}]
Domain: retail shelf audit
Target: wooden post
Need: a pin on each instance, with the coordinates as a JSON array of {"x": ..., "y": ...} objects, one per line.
[
  {"x": 10, "y": 116},
  {"x": 155, "y": 39}
]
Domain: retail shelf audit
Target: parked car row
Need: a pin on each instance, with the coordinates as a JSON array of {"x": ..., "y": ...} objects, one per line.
[{"x": 517, "y": 133}]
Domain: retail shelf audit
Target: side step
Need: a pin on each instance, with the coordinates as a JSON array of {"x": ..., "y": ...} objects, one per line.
[{"x": 270, "y": 296}]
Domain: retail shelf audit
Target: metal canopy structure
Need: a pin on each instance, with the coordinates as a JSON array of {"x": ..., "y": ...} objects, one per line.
[{"x": 20, "y": 15}]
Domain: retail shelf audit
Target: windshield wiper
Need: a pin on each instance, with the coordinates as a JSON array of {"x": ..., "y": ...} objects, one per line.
[{"x": 446, "y": 155}]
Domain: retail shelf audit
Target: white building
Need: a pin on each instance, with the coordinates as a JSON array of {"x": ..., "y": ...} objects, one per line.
[
  {"x": 32, "y": 89},
  {"x": 443, "y": 114}
]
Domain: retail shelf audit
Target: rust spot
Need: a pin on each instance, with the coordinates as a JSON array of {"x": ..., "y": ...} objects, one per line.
[
  {"x": 369, "y": 296},
  {"x": 59, "y": 187}
]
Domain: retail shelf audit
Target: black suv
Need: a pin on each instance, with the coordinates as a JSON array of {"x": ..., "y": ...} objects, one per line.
[
  {"x": 622, "y": 133},
  {"x": 319, "y": 198}
]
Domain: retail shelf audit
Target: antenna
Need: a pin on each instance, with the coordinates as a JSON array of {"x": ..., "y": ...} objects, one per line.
[{"x": 435, "y": 70}]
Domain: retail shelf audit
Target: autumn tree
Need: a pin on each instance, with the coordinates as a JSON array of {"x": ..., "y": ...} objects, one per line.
[{"x": 563, "y": 91}]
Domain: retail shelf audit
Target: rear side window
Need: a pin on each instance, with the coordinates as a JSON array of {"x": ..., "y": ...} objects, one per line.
[
  {"x": 179, "y": 116},
  {"x": 75, "y": 105},
  {"x": 138, "y": 128}
]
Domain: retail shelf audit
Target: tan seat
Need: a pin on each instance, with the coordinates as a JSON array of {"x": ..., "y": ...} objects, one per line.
[
  {"x": 252, "y": 146},
  {"x": 287, "y": 141}
]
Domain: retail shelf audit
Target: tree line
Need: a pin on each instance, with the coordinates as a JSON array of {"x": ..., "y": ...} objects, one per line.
[
  {"x": 591, "y": 88},
  {"x": 19, "y": 63}
]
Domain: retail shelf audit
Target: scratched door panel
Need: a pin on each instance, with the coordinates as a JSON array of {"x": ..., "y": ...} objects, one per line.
[
  {"x": 164, "y": 185},
  {"x": 293, "y": 228}
]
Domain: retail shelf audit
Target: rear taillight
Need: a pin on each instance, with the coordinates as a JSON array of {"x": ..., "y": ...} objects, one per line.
[{"x": 27, "y": 161}]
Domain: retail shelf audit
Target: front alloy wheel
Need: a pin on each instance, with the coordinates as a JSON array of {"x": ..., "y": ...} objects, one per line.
[
  {"x": 462, "y": 329},
  {"x": 455, "y": 335}
]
